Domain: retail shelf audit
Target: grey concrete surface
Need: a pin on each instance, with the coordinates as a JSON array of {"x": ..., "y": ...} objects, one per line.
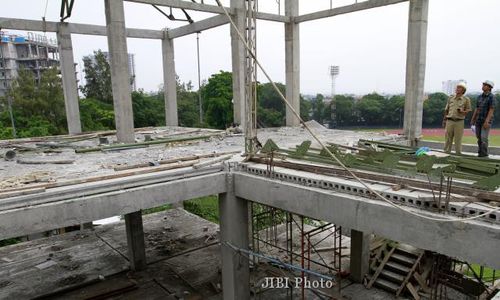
[
  {"x": 415, "y": 68},
  {"x": 360, "y": 255},
  {"x": 169, "y": 82},
  {"x": 292, "y": 62},
  {"x": 198, "y": 26},
  {"x": 233, "y": 216},
  {"x": 455, "y": 239},
  {"x": 75, "y": 28},
  {"x": 135, "y": 241},
  {"x": 238, "y": 62},
  {"x": 120, "y": 81},
  {"x": 345, "y": 10},
  {"x": 68, "y": 73},
  {"x": 58, "y": 214}
]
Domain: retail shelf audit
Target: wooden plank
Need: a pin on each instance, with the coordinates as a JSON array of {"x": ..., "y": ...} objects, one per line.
[
  {"x": 21, "y": 193},
  {"x": 413, "y": 291},
  {"x": 137, "y": 171},
  {"x": 421, "y": 282},
  {"x": 409, "y": 275},
  {"x": 380, "y": 267}
]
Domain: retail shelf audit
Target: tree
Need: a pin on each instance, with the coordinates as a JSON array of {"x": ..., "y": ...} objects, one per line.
[
  {"x": 271, "y": 108},
  {"x": 148, "y": 110},
  {"x": 344, "y": 110},
  {"x": 38, "y": 108},
  {"x": 217, "y": 97},
  {"x": 97, "y": 77},
  {"x": 318, "y": 108},
  {"x": 434, "y": 109},
  {"x": 370, "y": 108}
]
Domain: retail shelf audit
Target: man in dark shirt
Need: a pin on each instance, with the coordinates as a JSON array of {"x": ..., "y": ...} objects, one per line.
[{"x": 483, "y": 117}]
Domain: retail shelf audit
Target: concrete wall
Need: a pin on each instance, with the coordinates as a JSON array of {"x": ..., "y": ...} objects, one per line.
[{"x": 455, "y": 239}]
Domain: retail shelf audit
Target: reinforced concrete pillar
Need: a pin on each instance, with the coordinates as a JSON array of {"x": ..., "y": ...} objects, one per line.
[
  {"x": 238, "y": 62},
  {"x": 68, "y": 73},
  {"x": 169, "y": 82},
  {"x": 120, "y": 78},
  {"x": 233, "y": 217},
  {"x": 292, "y": 62},
  {"x": 360, "y": 255},
  {"x": 135, "y": 241},
  {"x": 415, "y": 69}
]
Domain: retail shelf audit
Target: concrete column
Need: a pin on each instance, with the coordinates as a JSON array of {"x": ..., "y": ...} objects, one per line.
[
  {"x": 135, "y": 241},
  {"x": 68, "y": 73},
  {"x": 238, "y": 62},
  {"x": 292, "y": 62},
  {"x": 415, "y": 69},
  {"x": 233, "y": 217},
  {"x": 360, "y": 255},
  {"x": 120, "y": 79},
  {"x": 169, "y": 82}
]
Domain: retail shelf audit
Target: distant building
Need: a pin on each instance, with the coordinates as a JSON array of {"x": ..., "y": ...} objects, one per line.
[
  {"x": 131, "y": 68},
  {"x": 33, "y": 52},
  {"x": 450, "y": 85}
]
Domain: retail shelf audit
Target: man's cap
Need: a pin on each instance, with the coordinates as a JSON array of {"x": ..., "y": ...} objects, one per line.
[
  {"x": 490, "y": 83},
  {"x": 462, "y": 84}
]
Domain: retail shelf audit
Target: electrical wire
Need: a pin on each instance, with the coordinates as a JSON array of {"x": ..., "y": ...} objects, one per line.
[
  {"x": 323, "y": 146},
  {"x": 274, "y": 260}
]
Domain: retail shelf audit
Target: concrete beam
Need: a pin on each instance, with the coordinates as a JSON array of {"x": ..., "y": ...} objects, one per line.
[
  {"x": 238, "y": 63},
  {"x": 74, "y": 28},
  {"x": 77, "y": 210},
  {"x": 415, "y": 69},
  {"x": 360, "y": 255},
  {"x": 345, "y": 10},
  {"x": 455, "y": 239},
  {"x": 68, "y": 73},
  {"x": 169, "y": 82},
  {"x": 120, "y": 78},
  {"x": 135, "y": 241},
  {"x": 292, "y": 62},
  {"x": 234, "y": 224},
  {"x": 197, "y": 26},
  {"x": 208, "y": 8}
]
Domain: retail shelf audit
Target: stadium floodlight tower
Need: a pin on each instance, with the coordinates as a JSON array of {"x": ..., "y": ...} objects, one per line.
[{"x": 334, "y": 72}]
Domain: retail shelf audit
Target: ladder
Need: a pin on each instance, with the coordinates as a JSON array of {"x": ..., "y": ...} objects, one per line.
[
  {"x": 251, "y": 76},
  {"x": 395, "y": 269}
]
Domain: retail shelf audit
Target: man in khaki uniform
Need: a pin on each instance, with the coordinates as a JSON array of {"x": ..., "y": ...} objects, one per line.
[{"x": 454, "y": 114}]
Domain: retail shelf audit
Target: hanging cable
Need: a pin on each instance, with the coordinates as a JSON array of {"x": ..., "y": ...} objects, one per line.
[
  {"x": 247, "y": 253},
  {"x": 323, "y": 146}
]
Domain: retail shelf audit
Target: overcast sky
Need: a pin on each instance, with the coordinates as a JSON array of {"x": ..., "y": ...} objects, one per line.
[{"x": 369, "y": 46}]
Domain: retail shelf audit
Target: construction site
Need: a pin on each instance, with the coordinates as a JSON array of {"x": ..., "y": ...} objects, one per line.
[{"x": 304, "y": 212}]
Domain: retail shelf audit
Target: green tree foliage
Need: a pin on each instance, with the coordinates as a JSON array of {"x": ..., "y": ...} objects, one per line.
[
  {"x": 188, "y": 106},
  {"x": 217, "y": 97},
  {"x": 38, "y": 107},
  {"x": 97, "y": 77},
  {"x": 96, "y": 115},
  {"x": 344, "y": 110},
  {"x": 318, "y": 109},
  {"x": 149, "y": 110},
  {"x": 434, "y": 109},
  {"x": 370, "y": 109},
  {"x": 271, "y": 109},
  {"x": 305, "y": 109}
]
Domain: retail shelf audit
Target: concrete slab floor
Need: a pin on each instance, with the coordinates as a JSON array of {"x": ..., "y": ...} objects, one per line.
[
  {"x": 102, "y": 163},
  {"x": 183, "y": 262}
]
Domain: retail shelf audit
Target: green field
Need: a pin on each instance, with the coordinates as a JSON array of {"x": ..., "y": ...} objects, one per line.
[{"x": 494, "y": 140}]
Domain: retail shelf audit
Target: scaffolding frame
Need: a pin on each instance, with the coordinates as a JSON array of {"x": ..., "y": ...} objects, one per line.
[{"x": 266, "y": 226}]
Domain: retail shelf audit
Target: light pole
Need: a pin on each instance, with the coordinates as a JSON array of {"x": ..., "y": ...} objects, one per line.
[
  {"x": 334, "y": 72},
  {"x": 199, "y": 80}
]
